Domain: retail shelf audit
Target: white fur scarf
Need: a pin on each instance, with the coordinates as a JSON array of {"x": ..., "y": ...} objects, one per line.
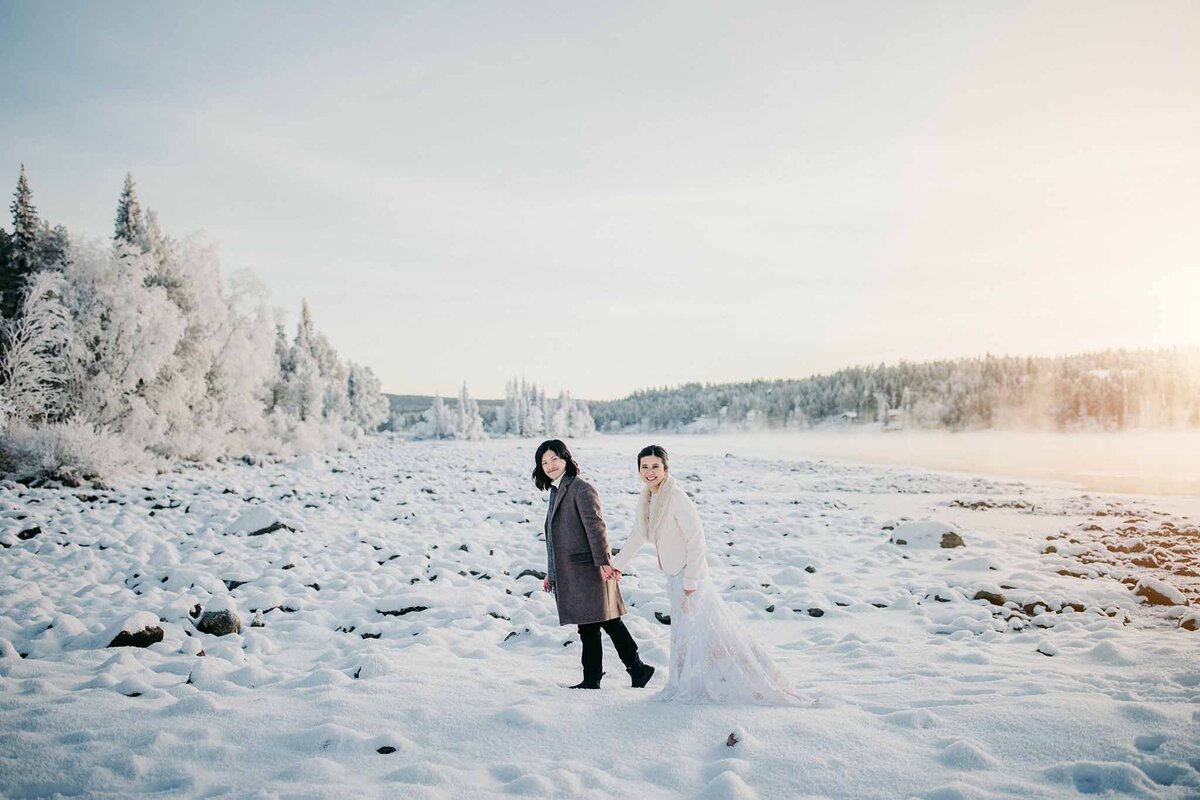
[{"x": 665, "y": 490}]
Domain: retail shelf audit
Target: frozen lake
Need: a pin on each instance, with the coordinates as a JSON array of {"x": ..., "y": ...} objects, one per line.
[{"x": 1142, "y": 462}]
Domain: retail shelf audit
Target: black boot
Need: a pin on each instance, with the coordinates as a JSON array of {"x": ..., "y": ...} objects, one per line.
[
  {"x": 589, "y": 682},
  {"x": 640, "y": 675},
  {"x": 592, "y": 656}
]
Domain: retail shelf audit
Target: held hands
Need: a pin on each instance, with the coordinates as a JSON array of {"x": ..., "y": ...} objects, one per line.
[
  {"x": 546, "y": 584},
  {"x": 607, "y": 573}
]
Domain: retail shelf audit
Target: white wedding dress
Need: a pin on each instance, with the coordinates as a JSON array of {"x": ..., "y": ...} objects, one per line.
[{"x": 713, "y": 659}]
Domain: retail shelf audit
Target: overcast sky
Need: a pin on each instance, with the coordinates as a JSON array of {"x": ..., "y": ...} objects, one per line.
[{"x": 611, "y": 196}]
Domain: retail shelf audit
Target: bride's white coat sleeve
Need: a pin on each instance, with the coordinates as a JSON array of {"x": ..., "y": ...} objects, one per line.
[
  {"x": 636, "y": 539},
  {"x": 688, "y": 519}
]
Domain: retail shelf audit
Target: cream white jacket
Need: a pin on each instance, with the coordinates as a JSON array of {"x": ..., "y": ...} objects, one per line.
[{"x": 674, "y": 530}]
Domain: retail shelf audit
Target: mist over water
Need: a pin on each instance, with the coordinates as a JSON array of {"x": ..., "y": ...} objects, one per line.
[{"x": 1140, "y": 462}]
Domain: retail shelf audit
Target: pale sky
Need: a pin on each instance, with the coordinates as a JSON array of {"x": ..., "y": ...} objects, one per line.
[{"x": 613, "y": 196}]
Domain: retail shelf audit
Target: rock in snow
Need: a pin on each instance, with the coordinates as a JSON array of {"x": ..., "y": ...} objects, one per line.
[
  {"x": 995, "y": 598},
  {"x": 257, "y": 521},
  {"x": 219, "y": 619},
  {"x": 140, "y": 630},
  {"x": 927, "y": 534},
  {"x": 1159, "y": 593}
]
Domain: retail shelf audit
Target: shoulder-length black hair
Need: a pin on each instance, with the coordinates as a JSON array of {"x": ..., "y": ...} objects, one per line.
[
  {"x": 540, "y": 480},
  {"x": 656, "y": 450}
]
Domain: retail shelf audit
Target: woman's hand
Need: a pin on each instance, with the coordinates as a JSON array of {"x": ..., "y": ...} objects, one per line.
[
  {"x": 607, "y": 573},
  {"x": 546, "y": 584}
]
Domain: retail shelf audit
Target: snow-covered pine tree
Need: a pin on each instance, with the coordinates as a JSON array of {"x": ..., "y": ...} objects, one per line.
[
  {"x": 512, "y": 413},
  {"x": 438, "y": 420},
  {"x": 547, "y": 408},
  {"x": 535, "y": 419},
  {"x": 559, "y": 415},
  {"x": 368, "y": 406},
  {"x": 306, "y": 396},
  {"x": 283, "y": 369},
  {"x": 523, "y": 421},
  {"x": 582, "y": 423},
  {"x": 470, "y": 423},
  {"x": 334, "y": 404},
  {"x": 303, "y": 390}
]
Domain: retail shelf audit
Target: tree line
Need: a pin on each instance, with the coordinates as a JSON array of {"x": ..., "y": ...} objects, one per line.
[
  {"x": 1106, "y": 390},
  {"x": 132, "y": 350},
  {"x": 527, "y": 412}
]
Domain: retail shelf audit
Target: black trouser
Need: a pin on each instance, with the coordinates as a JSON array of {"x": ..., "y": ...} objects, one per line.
[{"x": 593, "y": 652}]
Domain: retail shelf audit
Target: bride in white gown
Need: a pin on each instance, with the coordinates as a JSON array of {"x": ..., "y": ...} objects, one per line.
[{"x": 713, "y": 659}]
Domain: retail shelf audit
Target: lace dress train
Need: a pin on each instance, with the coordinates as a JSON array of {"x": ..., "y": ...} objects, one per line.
[{"x": 713, "y": 659}]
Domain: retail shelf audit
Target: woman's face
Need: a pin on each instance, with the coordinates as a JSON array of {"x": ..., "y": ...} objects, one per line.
[
  {"x": 652, "y": 471},
  {"x": 553, "y": 465}
]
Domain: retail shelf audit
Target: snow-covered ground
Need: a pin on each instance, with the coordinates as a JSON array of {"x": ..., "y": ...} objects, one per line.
[{"x": 395, "y": 642}]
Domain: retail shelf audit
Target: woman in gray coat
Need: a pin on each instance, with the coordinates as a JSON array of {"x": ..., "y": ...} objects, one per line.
[{"x": 579, "y": 565}]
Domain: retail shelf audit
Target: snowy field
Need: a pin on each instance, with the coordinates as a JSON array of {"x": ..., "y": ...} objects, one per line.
[{"x": 395, "y": 640}]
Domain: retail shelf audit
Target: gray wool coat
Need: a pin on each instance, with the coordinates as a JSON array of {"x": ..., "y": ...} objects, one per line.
[{"x": 580, "y": 541}]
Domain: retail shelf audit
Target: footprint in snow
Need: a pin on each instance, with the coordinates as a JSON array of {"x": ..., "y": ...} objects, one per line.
[{"x": 1150, "y": 742}]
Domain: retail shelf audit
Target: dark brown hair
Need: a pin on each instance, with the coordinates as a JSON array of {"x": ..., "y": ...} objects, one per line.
[
  {"x": 540, "y": 479},
  {"x": 657, "y": 451}
]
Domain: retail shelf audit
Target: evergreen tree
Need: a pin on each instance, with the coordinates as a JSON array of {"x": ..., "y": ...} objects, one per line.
[
  {"x": 22, "y": 249},
  {"x": 52, "y": 247},
  {"x": 131, "y": 223},
  {"x": 437, "y": 418}
]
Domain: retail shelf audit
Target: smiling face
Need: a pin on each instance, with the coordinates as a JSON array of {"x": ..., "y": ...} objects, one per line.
[
  {"x": 652, "y": 471},
  {"x": 553, "y": 465}
]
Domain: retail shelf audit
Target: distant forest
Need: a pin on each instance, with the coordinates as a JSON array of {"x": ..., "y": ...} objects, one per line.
[{"x": 1109, "y": 390}]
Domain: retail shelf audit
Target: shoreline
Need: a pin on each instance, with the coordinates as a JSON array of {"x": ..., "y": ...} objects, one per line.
[{"x": 1164, "y": 463}]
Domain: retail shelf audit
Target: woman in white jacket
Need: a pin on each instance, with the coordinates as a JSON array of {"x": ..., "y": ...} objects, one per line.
[{"x": 712, "y": 657}]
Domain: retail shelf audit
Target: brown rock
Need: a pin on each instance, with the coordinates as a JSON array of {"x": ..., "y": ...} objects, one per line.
[
  {"x": 143, "y": 638},
  {"x": 952, "y": 539}
]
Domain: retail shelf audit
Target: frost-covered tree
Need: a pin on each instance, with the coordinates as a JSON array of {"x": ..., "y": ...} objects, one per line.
[
  {"x": 535, "y": 419},
  {"x": 243, "y": 368},
  {"x": 126, "y": 334},
  {"x": 33, "y": 372},
  {"x": 470, "y": 423},
  {"x": 439, "y": 423},
  {"x": 334, "y": 402},
  {"x": 124, "y": 352},
  {"x": 582, "y": 424},
  {"x": 282, "y": 353},
  {"x": 512, "y": 414},
  {"x": 303, "y": 392},
  {"x": 368, "y": 406}
]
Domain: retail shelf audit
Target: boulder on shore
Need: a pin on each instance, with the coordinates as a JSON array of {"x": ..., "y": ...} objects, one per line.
[
  {"x": 929, "y": 534},
  {"x": 140, "y": 630},
  {"x": 1158, "y": 593},
  {"x": 220, "y": 618}
]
